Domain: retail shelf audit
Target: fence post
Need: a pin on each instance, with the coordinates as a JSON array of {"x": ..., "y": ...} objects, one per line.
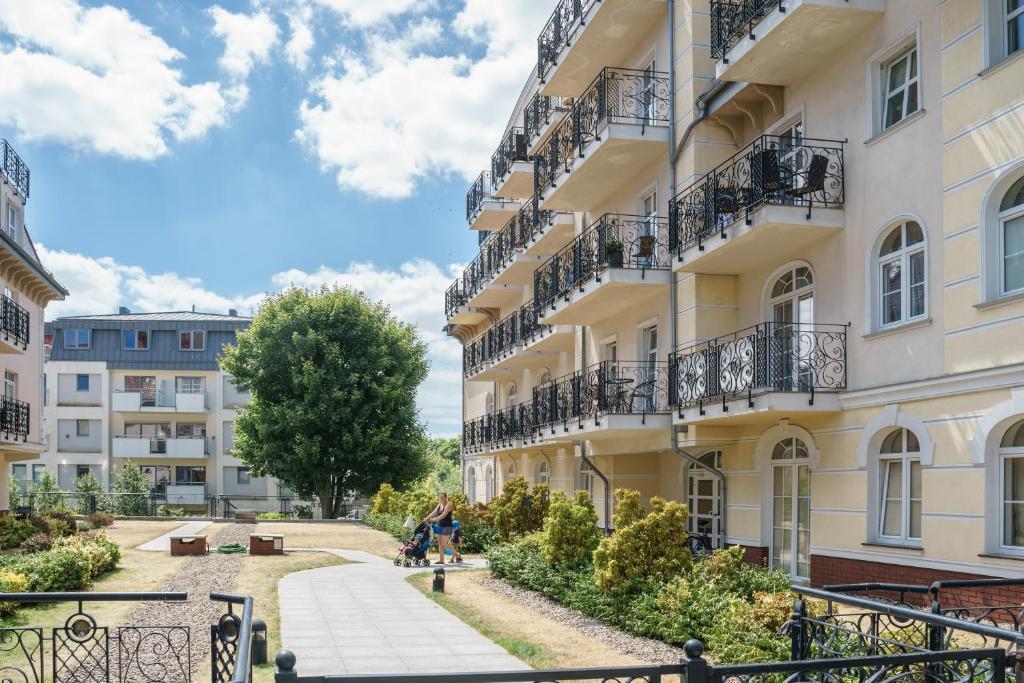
[
  {"x": 797, "y": 630},
  {"x": 936, "y": 633},
  {"x": 284, "y": 669},
  {"x": 92, "y": 503},
  {"x": 697, "y": 669}
]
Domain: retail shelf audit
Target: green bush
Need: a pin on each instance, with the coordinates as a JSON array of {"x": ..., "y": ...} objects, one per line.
[
  {"x": 133, "y": 487},
  {"x": 61, "y": 521},
  {"x": 46, "y": 493},
  {"x": 100, "y": 520},
  {"x": 11, "y": 582},
  {"x": 15, "y": 497},
  {"x": 13, "y": 532},
  {"x": 100, "y": 553},
  {"x": 170, "y": 511},
  {"x": 59, "y": 569},
  {"x": 37, "y": 542},
  {"x": 519, "y": 511},
  {"x": 650, "y": 548},
  {"x": 477, "y": 538},
  {"x": 88, "y": 488},
  {"x": 386, "y": 501},
  {"x": 570, "y": 530},
  {"x": 272, "y": 515},
  {"x": 391, "y": 524}
]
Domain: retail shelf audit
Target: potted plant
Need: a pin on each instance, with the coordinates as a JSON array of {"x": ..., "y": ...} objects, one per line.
[{"x": 613, "y": 252}]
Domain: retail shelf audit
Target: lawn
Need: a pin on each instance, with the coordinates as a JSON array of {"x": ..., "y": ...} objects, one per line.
[
  {"x": 336, "y": 535},
  {"x": 532, "y": 637}
]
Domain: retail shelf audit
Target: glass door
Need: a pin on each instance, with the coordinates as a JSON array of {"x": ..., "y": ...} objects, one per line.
[
  {"x": 791, "y": 330},
  {"x": 791, "y": 509},
  {"x": 702, "y": 498},
  {"x": 159, "y": 477},
  {"x": 793, "y": 156}
]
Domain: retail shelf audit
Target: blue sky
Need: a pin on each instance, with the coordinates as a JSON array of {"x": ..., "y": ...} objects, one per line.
[{"x": 190, "y": 152}]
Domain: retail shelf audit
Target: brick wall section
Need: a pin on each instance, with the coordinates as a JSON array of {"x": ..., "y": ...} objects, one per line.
[
  {"x": 755, "y": 555},
  {"x": 827, "y": 570}
]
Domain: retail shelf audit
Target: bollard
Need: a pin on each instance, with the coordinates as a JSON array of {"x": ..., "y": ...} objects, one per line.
[
  {"x": 284, "y": 670},
  {"x": 438, "y": 580},
  {"x": 259, "y": 641}
]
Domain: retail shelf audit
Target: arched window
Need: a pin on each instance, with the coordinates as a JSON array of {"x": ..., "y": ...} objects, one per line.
[
  {"x": 1011, "y": 467},
  {"x": 900, "y": 274},
  {"x": 791, "y": 507},
  {"x": 703, "y": 496},
  {"x": 471, "y": 484},
  {"x": 543, "y": 472},
  {"x": 791, "y": 297},
  {"x": 543, "y": 378},
  {"x": 511, "y": 395},
  {"x": 1011, "y": 238},
  {"x": 899, "y": 482},
  {"x": 489, "y": 484}
]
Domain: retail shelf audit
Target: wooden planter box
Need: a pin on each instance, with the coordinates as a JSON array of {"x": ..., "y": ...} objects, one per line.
[
  {"x": 188, "y": 545},
  {"x": 266, "y": 544}
]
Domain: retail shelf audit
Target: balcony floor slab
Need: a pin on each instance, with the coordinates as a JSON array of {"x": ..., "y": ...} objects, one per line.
[
  {"x": 553, "y": 236},
  {"x": 494, "y": 214},
  {"x": 468, "y": 315},
  {"x": 612, "y": 293},
  {"x": 608, "y": 427},
  {"x": 495, "y": 296},
  {"x": 768, "y": 408},
  {"x": 517, "y": 183}
]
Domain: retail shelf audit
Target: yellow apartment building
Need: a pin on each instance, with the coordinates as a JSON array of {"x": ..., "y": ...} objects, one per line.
[{"x": 765, "y": 257}]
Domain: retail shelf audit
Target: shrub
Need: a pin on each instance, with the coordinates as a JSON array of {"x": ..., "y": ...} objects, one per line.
[
  {"x": 13, "y": 532},
  {"x": 570, "y": 530},
  {"x": 100, "y": 520},
  {"x": 518, "y": 511},
  {"x": 59, "y": 569},
  {"x": 650, "y": 548},
  {"x": 303, "y": 510},
  {"x": 37, "y": 542},
  {"x": 11, "y": 582},
  {"x": 133, "y": 487},
  {"x": 100, "y": 553},
  {"x": 386, "y": 501},
  {"x": 479, "y": 537},
  {"x": 46, "y": 492},
  {"x": 87, "y": 487},
  {"x": 391, "y": 524},
  {"x": 61, "y": 521},
  {"x": 15, "y": 498},
  {"x": 170, "y": 511},
  {"x": 628, "y": 508},
  {"x": 272, "y": 515}
]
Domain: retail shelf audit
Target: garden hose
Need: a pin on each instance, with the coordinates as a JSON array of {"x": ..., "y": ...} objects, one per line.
[{"x": 230, "y": 549}]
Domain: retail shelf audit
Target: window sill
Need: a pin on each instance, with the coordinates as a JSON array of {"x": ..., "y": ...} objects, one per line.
[
  {"x": 1002, "y": 556},
  {"x": 893, "y": 546},
  {"x": 896, "y": 329},
  {"x": 894, "y": 127},
  {"x": 1003, "y": 300},
  {"x": 1008, "y": 59}
]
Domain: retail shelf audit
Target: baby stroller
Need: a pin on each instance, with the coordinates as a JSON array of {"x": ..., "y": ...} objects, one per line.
[{"x": 414, "y": 551}]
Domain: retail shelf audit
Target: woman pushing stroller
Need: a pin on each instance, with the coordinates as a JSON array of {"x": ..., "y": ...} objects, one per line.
[{"x": 442, "y": 517}]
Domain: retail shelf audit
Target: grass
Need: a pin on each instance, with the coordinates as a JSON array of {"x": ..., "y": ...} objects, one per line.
[
  {"x": 523, "y": 632},
  {"x": 259, "y": 578},
  {"x": 348, "y": 536}
]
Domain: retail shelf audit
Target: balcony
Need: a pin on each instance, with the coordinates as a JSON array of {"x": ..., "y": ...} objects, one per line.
[
  {"x": 14, "y": 326},
  {"x": 611, "y": 399},
  {"x": 484, "y": 211},
  {"x": 15, "y": 419},
  {"x": 164, "y": 447},
  {"x": 779, "y": 42},
  {"x": 769, "y": 200},
  {"x": 762, "y": 373},
  {"x": 540, "y": 115},
  {"x": 152, "y": 401},
  {"x": 517, "y": 342},
  {"x": 512, "y": 166},
  {"x": 619, "y": 262},
  {"x": 14, "y": 169},
  {"x": 614, "y": 130},
  {"x": 582, "y": 35}
]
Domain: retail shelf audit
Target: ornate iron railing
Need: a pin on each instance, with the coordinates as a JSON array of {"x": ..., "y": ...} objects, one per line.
[
  {"x": 770, "y": 170},
  {"x": 231, "y": 640},
  {"x": 617, "y": 95},
  {"x": 786, "y": 357},
  {"x": 605, "y": 388},
  {"x": 15, "y": 418},
  {"x": 612, "y": 241},
  {"x": 554, "y": 37},
  {"x": 481, "y": 190},
  {"x": 539, "y": 112},
  {"x": 516, "y": 328},
  {"x": 475, "y": 434},
  {"x": 14, "y": 169},
  {"x": 454, "y": 299},
  {"x": 511, "y": 149},
  {"x": 14, "y": 320},
  {"x": 731, "y": 20}
]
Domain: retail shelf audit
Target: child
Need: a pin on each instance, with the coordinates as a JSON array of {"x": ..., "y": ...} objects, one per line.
[{"x": 456, "y": 541}]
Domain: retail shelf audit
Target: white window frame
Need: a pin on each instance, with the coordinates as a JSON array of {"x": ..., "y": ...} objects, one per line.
[
  {"x": 88, "y": 382},
  {"x": 78, "y": 428},
  {"x": 906, "y": 459},
  {"x": 1002, "y": 218},
  {"x": 877, "y": 81},
  {"x": 543, "y": 472},
  {"x": 136, "y": 347},
  {"x": 511, "y": 395},
  {"x": 191, "y": 334},
  {"x": 912, "y": 55},
  {"x": 995, "y": 22},
  {"x": 1004, "y": 455},
  {"x": 10, "y": 384},
  {"x": 13, "y": 221},
  {"x": 903, "y": 255}
]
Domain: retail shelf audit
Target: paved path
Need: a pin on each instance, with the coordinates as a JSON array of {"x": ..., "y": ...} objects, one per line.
[
  {"x": 365, "y": 618},
  {"x": 164, "y": 542}
]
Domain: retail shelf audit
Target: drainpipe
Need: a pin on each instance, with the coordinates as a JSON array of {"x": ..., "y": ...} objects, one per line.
[
  {"x": 607, "y": 487},
  {"x": 716, "y": 473}
]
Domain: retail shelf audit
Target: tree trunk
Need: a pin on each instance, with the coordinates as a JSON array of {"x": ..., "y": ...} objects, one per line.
[{"x": 327, "y": 501}]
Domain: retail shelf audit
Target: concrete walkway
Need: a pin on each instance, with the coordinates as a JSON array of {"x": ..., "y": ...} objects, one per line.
[
  {"x": 163, "y": 543},
  {"x": 365, "y": 618}
]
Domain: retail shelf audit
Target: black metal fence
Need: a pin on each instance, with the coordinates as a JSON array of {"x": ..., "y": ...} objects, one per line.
[
  {"x": 14, "y": 322},
  {"x": 511, "y": 149},
  {"x": 454, "y": 299},
  {"x": 612, "y": 241},
  {"x": 481, "y": 190},
  {"x": 786, "y": 357},
  {"x": 770, "y": 170},
  {"x": 517, "y": 328},
  {"x": 539, "y": 112},
  {"x": 732, "y": 20},
  {"x": 159, "y": 502},
  {"x": 554, "y": 37},
  {"x": 83, "y": 650},
  {"x": 633, "y": 96},
  {"x": 14, "y": 169},
  {"x": 15, "y": 418}
]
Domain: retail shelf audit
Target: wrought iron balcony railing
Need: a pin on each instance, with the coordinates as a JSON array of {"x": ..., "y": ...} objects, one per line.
[
  {"x": 605, "y": 388},
  {"x": 15, "y": 418},
  {"x": 554, "y": 37},
  {"x": 14, "y": 320},
  {"x": 516, "y": 328},
  {"x": 480, "y": 191},
  {"x": 731, "y": 20},
  {"x": 770, "y": 170},
  {"x": 13, "y": 168},
  {"x": 511, "y": 150},
  {"x": 632, "y": 96},
  {"x": 769, "y": 357},
  {"x": 539, "y": 113},
  {"x": 454, "y": 298},
  {"x": 612, "y": 241}
]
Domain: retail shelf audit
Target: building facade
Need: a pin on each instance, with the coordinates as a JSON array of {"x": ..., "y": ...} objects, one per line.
[
  {"x": 766, "y": 258},
  {"x": 145, "y": 390},
  {"x": 27, "y": 289}
]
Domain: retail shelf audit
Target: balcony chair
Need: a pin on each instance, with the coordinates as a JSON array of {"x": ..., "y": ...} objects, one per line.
[
  {"x": 645, "y": 245},
  {"x": 814, "y": 181},
  {"x": 765, "y": 174}
]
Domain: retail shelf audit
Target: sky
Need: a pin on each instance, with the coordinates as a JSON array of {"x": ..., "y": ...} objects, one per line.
[{"x": 194, "y": 153}]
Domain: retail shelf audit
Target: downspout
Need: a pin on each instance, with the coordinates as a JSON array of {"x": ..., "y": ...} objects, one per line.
[
  {"x": 607, "y": 487},
  {"x": 716, "y": 473}
]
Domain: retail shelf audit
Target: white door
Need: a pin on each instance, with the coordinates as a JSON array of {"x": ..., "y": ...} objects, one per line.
[
  {"x": 791, "y": 508},
  {"x": 647, "y": 389},
  {"x": 791, "y": 330},
  {"x": 702, "y": 498},
  {"x": 645, "y": 251}
]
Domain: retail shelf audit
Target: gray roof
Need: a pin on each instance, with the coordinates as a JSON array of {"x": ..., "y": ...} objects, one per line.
[{"x": 166, "y": 316}]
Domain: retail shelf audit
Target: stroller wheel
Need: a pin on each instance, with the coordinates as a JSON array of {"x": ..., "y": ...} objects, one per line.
[
  {"x": 426, "y": 561},
  {"x": 398, "y": 562},
  {"x": 408, "y": 563}
]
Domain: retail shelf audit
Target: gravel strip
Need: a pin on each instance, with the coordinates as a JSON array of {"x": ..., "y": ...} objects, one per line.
[
  {"x": 200, "y": 576},
  {"x": 646, "y": 649}
]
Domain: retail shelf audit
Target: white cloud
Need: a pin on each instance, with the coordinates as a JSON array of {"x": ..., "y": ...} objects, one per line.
[
  {"x": 248, "y": 39},
  {"x": 366, "y": 13},
  {"x": 301, "y": 41},
  {"x": 383, "y": 120},
  {"x": 414, "y": 292},
  {"x": 97, "y": 79}
]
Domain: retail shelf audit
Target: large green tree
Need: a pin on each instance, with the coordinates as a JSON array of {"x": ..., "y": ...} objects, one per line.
[{"x": 333, "y": 378}]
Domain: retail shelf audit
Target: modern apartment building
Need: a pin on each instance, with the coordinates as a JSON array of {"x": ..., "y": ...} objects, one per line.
[
  {"x": 765, "y": 257},
  {"x": 144, "y": 389},
  {"x": 27, "y": 288}
]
